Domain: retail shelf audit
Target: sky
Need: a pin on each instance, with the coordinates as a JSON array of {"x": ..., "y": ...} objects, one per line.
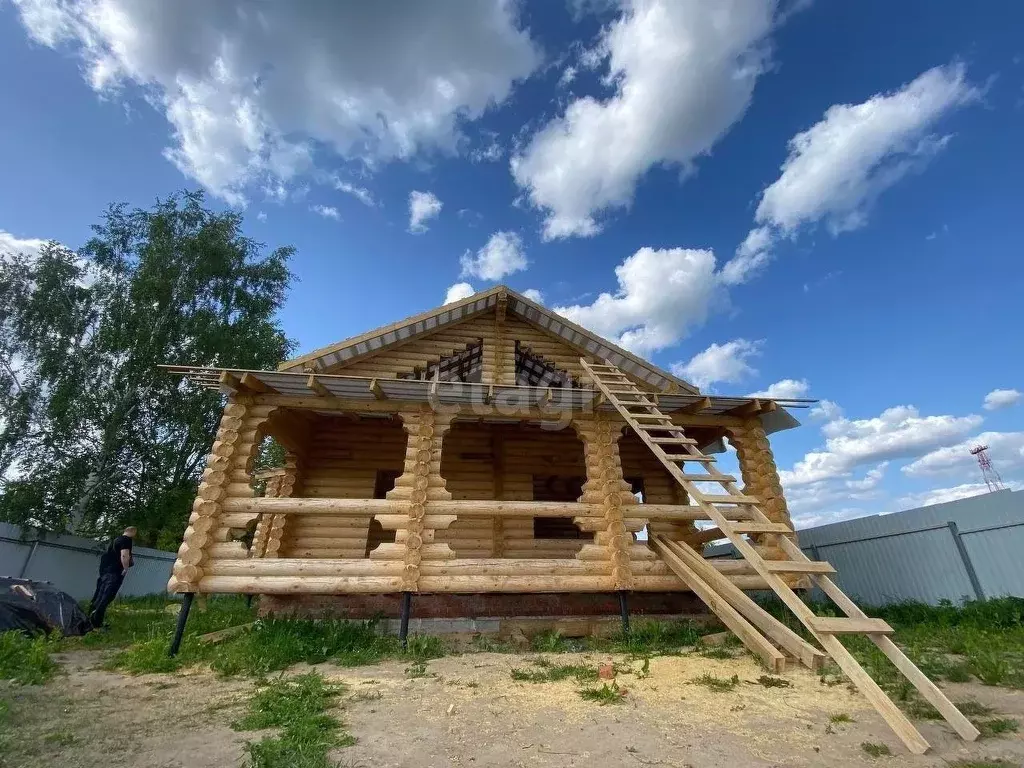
[{"x": 799, "y": 199}]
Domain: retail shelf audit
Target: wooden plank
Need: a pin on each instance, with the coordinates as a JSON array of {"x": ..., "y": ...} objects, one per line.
[
  {"x": 704, "y": 537},
  {"x": 791, "y": 566},
  {"x": 761, "y": 528},
  {"x": 674, "y": 440},
  {"x": 375, "y": 388},
  {"x": 713, "y": 498},
  {"x": 702, "y": 459},
  {"x": 709, "y": 478},
  {"x": 316, "y": 386},
  {"x": 755, "y": 642},
  {"x": 846, "y": 626},
  {"x": 696, "y": 406}
]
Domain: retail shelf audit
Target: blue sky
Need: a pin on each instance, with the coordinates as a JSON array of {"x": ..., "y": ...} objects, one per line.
[{"x": 817, "y": 196}]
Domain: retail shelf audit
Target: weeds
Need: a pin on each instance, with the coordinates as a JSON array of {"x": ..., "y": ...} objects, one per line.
[
  {"x": 550, "y": 673},
  {"x": 26, "y": 660},
  {"x": 840, "y": 717},
  {"x": 717, "y": 684},
  {"x": 606, "y": 694},
  {"x": 997, "y": 726},
  {"x": 298, "y": 707},
  {"x": 875, "y": 750},
  {"x": 773, "y": 682},
  {"x": 973, "y": 708},
  {"x": 416, "y": 670},
  {"x": 983, "y": 763}
]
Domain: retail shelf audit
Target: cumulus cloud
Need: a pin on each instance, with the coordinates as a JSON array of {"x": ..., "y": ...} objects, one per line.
[
  {"x": 662, "y": 293},
  {"x": 11, "y": 245},
  {"x": 942, "y": 495},
  {"x": 785, "y": 389},
  {"x": 899, "y": 432},
  {"x": 327, "y": 211},
  {"x": 458, "y": 292},
  {"x": 362, "y": 194},
  {"x": 683, "y": 72},
  {"x": 838, "y": 167},
  {"x": 826, "y": 410},
  {"x": 502, "y": 255},
  {"x": 1001, "y": 398},
  {"x": 249, "y": 91},
  {"x": 1005, "y": 450},
  {"x": 423, "y": 206},
  {"x": 534, "y": 295},
  {"x": 720, "y": 363}
]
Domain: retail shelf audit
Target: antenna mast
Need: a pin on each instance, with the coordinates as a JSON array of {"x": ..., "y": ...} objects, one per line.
[{"x": 988, "y": 472}]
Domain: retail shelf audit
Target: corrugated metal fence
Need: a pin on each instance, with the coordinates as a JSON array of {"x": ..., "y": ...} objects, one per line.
[
  {"x": 972, "y": 548},
  {"x": 71, "y": 562}
]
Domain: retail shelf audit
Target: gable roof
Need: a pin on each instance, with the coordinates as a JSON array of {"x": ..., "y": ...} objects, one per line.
[{"x": 576, "y": 336}]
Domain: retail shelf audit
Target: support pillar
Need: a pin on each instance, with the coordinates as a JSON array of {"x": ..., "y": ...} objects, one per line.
[
  {"x": 403, "y": 626},
  {"x": 179, "y": 629}
]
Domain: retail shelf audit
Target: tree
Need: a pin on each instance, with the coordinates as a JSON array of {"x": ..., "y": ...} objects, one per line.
[{"x": 94, "y": 434}]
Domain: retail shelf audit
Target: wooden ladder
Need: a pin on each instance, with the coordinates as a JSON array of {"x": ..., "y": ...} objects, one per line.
[{"x": 737, "y": 514}]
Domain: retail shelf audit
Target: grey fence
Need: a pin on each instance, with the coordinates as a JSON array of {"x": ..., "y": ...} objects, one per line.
[
  {"x": 71, "y": 562},
  {"x": 967, "y": 549}
]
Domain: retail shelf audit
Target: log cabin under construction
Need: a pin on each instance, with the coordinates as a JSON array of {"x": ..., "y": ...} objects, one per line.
[{"x": 491, "y": 447}]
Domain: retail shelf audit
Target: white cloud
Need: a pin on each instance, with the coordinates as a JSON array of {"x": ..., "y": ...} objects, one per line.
[
  {"x": 362, "y": 194},
  {"x": 261, "y": 216},
  {"x": 327, "y": 211},
  {"x": 458, "y": 292},
  {"x": 250, "y": 90},
  {"x": 942, "y": 495},
  {"x": 1005, "y": 450},
  {"x": 534, "y": 295},
  {"x": 826, "y": 410},
  {"x": 662, "y": 294},
  {"x": 720, "y": 363},
  {"x": 786, "y": 389},
  {"x": 838, "y": 167},
  {"x": 423, "y": 206},
  {"x": 899, "y": 432},
  {"x": 1001, "y": 398},
  {"x": 501, "y": 255},
  {"x": 683, "y": 72},
  {"x": 9, "y": 244}
]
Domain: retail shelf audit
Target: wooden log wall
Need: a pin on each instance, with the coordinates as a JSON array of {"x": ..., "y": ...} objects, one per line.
[
  {"x": 659, "y": 487},
  {"x": 343, "y": 459},
  {"x": 209, "y": 534},
  {"x": 499, "y": 461}
]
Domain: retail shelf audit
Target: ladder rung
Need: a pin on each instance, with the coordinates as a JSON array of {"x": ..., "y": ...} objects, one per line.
[
  {"x": 602, "y": 365},
  {"x": 688, "y": 457},
  {"x": 729, "y": 499},
  {"x": 660, "y": 427},
  {"x": 761, "y": 528},
  {"x": 711, "y": 479},
  {"x": 795, "y": 566},
  {"x": 674, "y": 440},
  {"x": 661, "y": 416},
  {"x": 844, "y": 626},
  {"x": 626, "y": 392}
]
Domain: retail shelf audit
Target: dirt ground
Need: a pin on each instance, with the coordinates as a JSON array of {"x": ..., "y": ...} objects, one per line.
[{"x": 467, "y": 711}]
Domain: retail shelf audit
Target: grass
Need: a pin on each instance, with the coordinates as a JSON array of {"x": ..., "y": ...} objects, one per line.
[
  {"x": 26, "y": 660},
  {"x": 717, "y": 684},
  {"x": 840, "y": 717},
  {"x": 973, "y": 708},
  {"x": 773, "y": 682},
  {"x": 997, "y": 726},
  {"x": 606, "y": 694},
  {"x": 546, "y": 672},
  {"x": 297, "y": 707},
  {"x": 875, "y": 750},
  {"x": 983, "y": 763}
]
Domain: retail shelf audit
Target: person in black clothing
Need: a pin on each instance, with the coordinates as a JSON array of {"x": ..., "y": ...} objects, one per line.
[{"x": 114, "y": 565}]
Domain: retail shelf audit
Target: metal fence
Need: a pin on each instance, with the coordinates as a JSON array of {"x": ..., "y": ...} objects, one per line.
[
  {"x": 966, "y": 549},
  {"x": 71, "y": 562}
]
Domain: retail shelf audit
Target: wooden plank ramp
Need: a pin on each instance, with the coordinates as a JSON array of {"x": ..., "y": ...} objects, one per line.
[{"x": 737, "y": 611}]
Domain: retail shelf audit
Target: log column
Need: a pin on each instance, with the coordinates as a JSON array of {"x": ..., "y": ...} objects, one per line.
[
  {"x": 760, "y": 476},
  {"x": 606, "y": 487},
  {"x": 231, "y": 459},
  {"x": 420, "y": 483},
  {"x": 270, "y": 530}
]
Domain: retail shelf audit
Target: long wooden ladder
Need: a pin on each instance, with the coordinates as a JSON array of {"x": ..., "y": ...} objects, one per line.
[{"x": 737, "y": 514}]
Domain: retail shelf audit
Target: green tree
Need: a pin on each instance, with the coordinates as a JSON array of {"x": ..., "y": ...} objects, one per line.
[{"x": 94, "y": 435}]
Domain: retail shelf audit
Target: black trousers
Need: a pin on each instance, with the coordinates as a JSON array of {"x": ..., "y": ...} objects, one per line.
[{"x": 106, "y": 590}]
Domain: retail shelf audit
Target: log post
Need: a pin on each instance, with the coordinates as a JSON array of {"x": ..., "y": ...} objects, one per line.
[
  {"x": 234, "y": 449},
  {"x": 420, "y": 483},
  {"x": 761, "y": 478},
  {"x": 605, "y": 486}
]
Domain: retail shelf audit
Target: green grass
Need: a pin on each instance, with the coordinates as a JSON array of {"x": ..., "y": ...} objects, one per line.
[
  {"x": 298, "y": 708},
  {"x": 840, "y": 717},
  {"x": 973, "y": 708},
  {"x": 717, "y": 684},
  {"x": 983, "y": 763},
  {"x": 26, "y": 660},
  {"x": 768, "y": 681},
  {"x": 546, "y": 672},
  {"x": 606, "y": 694},
  {"x": 875, "y": 750},
  {"x": 997, "y": 726}
]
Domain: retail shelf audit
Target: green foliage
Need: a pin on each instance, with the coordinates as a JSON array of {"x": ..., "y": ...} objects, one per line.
[
  {"x": 546, "y": 672},
  {"x": 26, "y": 660},
  {"x": 997, "y": 726},
  {"x": 298, "y": 707},
  {"x": 972, "y": 708},
  {"x": 717, "y": 684},
  {"x": 768, "y": 681},
  {"x": 606, "y": 694},
  {"x": 551, "y": 641},
  {"x": 875, "y": 750},
  {"x": 103, "y": 437},
  {"x": 840, "y": 717}
]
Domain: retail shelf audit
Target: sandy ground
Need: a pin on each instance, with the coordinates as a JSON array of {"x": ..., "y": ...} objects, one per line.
[{"x": 467, "y": 711}]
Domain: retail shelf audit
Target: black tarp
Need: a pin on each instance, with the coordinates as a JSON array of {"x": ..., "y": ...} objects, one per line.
[{"x": 35, "y": 607}]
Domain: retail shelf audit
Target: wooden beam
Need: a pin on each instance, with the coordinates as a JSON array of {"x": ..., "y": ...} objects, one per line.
[
  {"x": 751, "y": 408},
  {"x": 696, "y": 406},
  {"x": 253, "y": 384},
  {"x": 229, "y": 380},
  {"x": 317, "y": 387},
  {"x": 377, "y": 391}
]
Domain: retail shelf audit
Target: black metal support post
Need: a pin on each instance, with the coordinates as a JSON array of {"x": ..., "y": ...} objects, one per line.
[
  {"x": 179, "y": 630},
  {"x": 624, "y": 610},
  {"x": 403, "y": 627},
  {"x": 248, "y": 601},
  {"x": 972, "y": 574}
]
